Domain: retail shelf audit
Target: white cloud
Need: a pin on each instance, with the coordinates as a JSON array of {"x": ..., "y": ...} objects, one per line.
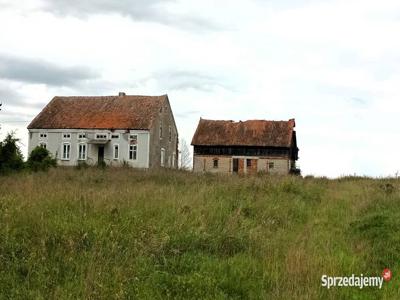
[{"x": 330, "y": 64}]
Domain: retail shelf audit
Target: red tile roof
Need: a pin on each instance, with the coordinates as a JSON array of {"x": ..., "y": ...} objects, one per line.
[
  {"x": 247, "y": 133},
  {"x": 103, "y": 112}
]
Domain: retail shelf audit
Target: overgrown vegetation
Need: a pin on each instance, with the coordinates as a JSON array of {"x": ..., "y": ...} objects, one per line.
[
  {"x": 40, "y": 160},
  {"x": 126, "y": 234},
  {"x": 11, "y": 159}
]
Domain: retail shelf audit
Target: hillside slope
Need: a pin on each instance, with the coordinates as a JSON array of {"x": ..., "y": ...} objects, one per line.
[{"x": 125, "y": 234}]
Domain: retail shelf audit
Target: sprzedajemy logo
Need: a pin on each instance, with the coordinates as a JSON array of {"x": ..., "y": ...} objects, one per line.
[{"x": 360, "y": 281}]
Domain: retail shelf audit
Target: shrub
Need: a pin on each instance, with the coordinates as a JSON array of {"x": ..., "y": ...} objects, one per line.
[
  {"x": 11, "y": 158},
  {"x": 40, "y": 160}
]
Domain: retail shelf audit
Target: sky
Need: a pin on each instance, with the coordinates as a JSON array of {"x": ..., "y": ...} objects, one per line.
[{"x": 331, "y": 65}]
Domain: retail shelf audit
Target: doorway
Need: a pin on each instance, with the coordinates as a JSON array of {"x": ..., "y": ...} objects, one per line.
[
  {"x": 100, "y": 157},
  {"x": 235, "y": 167}
]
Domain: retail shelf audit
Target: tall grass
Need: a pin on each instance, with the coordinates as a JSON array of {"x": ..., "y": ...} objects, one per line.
[{"x": 126, "y": 234}]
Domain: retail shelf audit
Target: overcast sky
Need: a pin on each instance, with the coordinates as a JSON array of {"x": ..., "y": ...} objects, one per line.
[{"x": 331, "y": 65}]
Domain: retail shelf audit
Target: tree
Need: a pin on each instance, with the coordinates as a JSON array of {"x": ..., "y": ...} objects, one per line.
[
  {"x": 11, "y": 158},
  {"x": 40, "y": 160},
  {"x": 186, "y": 158}
]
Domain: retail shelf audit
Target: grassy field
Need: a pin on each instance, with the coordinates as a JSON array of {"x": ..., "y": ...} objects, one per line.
[{"x": 125, "y": 234}]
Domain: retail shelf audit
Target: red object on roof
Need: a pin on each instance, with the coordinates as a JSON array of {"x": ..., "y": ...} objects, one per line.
[
  {"x": 247, "y": 133},
  {"x": 99, "y": 112}
]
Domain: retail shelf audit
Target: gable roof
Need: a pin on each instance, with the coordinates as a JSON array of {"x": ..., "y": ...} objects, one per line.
[
  {"x": 248, "y": 133},
  {"x": 99, "y": 112}
]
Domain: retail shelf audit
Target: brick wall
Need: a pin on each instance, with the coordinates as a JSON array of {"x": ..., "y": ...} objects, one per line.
[{"x": 205, "y": 163}]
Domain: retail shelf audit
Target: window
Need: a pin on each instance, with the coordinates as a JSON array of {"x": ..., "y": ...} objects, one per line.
[
  {"x": 271, "y": 165},
  {"x": 116, "y": 152},
  {"x": 169, "y": 134},
  {"x": 160, "y": 131},
  {"x": 132, "y": 152},
  {"x": 173, "y": 159},
  {"x": 115, "y": 136},
  {"x": 43, "y": 145},
  {"x": 66, "y": 136},
  {"x": 133, "y": 139},
  {"x": 82, "y": 136},
  {"x": 66, "y": 151},
  {"x": 101, "y": 136},
  {"x": 82, "y": 151},
  {"x": 162, "y": 157},
  {"x": 215, "y": 161},
  {"x": 43, "y": 135},
  {"x": 248, "y": 163}
]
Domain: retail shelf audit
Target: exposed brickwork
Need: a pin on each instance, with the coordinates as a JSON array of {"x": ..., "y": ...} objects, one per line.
[{"x": 205, "y": 163}]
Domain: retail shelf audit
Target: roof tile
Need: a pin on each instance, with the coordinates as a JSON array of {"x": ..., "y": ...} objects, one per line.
[
  {"x": 247, "y": 133},
  {"x": 99, "y": 112}
]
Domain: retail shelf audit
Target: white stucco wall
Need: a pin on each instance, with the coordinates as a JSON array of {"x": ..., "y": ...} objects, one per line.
[{"x": 54, "y": 143}]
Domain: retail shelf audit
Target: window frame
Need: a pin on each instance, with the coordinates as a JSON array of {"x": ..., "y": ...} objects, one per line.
[
  {"x": 271, "y": 163},
  {"x": 80, "y": 135},
  {"x": 162, "y": 157},
  {"x": 43, "y": 135},
  {"x": 133, "y": 137},
  {"x": 104, "y": 136},
  {"x": 115, "y": 136},
  {"x": 66, "y": 135},
  {"x": 133, "y": 153},
  {"x": 85, "y": 153},
  {"x": 248, "y": 162},
  {"x": 63, "y": 156},
  {"x": 116, "y": 152},
  {"x": 41, "y": 144}
]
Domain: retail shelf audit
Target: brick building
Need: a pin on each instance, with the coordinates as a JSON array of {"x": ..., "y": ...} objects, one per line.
[{"x": 245, "y": 147}]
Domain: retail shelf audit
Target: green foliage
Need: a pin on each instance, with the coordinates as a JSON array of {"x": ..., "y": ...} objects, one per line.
[
  {"x": 11, "y": 158},
  {"x": 120, "y": 233},
  {"x": 40, "y": 160}
]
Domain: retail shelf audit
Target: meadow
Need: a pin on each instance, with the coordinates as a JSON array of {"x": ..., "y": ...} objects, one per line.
[{"x": 126, "y": 234}]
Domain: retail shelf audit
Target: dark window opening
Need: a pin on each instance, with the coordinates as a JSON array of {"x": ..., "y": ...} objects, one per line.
[
  {"x": 248, "y": 162},
  {"x": 215, "y": 163}
]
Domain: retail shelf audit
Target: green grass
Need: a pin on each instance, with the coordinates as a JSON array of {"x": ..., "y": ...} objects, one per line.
[{"x": 126, "y": 234}]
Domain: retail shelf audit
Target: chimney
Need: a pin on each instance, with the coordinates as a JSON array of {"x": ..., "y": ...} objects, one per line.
[{"x": 121, "y": 94}]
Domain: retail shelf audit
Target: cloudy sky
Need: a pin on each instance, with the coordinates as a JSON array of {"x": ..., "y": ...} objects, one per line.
[{"x": 331, "y": 65}]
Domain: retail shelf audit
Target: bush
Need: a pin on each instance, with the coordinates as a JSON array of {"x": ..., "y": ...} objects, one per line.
[
  {"x": 11, "y": 158},
  {"x": 40, "y": 160}
]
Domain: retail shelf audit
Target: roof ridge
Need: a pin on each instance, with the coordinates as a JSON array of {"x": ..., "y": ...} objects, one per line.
[
  {"x": 110, "y": 96},
  {"x": 264, "y": 133}
]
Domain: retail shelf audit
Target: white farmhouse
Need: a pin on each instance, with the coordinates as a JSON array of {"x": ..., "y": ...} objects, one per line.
[{"x": 135, "y": 130}]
